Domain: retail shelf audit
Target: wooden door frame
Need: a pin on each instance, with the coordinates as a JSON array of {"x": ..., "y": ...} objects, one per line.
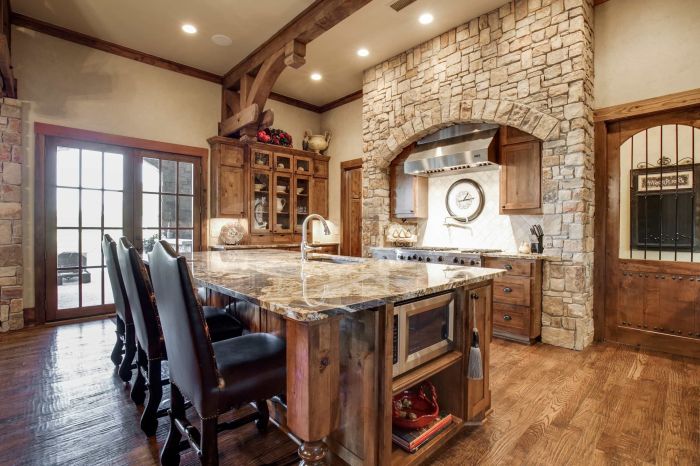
[
  {"x": 345, "y": 166},
  {"x": 604, "y": 118},
  {"x": 42, "y": 131}
]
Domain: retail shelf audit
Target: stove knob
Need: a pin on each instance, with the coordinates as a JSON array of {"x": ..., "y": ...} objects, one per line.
[
  {"x": 428, "y": 259},
  {"x": 408, "y": 258},
  {"x": 420, "y": 259},
  {"x": 401, "y": 257},
  {"x": 415, "y": 256},
  {"x": 455, "y": 260},
  {"x": 440, "y": 259},
  {"x": 461, "y": 261},
  {"x": 472, "y": 262}
]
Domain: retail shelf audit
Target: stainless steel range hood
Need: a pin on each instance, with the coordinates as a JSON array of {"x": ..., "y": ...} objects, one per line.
[{"x": 458, "y": 148}]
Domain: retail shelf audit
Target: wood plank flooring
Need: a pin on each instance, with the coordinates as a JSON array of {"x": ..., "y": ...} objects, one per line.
[{"x": 61, "y": 402}]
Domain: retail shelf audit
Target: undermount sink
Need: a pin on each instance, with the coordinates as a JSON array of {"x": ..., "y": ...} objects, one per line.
[{"x": 335, "y": 260}]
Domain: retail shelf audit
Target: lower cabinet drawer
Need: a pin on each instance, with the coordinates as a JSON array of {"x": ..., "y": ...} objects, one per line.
[
  {"x": 511, "y": 319},
  {"x": 512, "y": 290}
]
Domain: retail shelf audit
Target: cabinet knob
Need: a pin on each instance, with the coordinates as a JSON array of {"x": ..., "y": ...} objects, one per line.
[
  {"x": 507, "y": 289},
  {"x": 508, "y": 267},
  {"x": 507, "y": 317}
]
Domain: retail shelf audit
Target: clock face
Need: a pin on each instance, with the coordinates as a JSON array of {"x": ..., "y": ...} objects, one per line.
[{"x": 465, "y": 200}]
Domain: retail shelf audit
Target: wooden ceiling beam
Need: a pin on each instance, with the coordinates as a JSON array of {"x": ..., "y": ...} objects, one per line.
[{"x": 319, "y": 17}]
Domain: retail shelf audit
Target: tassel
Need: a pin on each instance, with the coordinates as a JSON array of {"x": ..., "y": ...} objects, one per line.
[{"x": 475, "y": 370}]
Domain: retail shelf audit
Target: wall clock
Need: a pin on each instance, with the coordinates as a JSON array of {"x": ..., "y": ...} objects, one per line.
[{"x": 465, "y": 200}]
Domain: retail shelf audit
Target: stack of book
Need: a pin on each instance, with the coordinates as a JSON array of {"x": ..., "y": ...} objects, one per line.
[{"x": 412, "y": 440}]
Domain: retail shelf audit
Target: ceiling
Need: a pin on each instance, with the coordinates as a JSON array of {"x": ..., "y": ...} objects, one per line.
[{"x": 153, "y": 27}]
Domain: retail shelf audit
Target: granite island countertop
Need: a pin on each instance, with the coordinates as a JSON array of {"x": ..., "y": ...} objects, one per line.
[{"x": 279, "y": 282}]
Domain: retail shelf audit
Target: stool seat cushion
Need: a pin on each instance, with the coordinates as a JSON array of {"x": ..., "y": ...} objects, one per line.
[{"x": 251, "y": 367}]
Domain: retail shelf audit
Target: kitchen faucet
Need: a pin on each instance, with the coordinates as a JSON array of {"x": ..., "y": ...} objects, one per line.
[{"x": 305, "y": 248}]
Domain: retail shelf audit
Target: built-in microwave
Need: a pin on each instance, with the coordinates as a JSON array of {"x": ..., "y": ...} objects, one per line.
[{"x": 423, "y": 330}]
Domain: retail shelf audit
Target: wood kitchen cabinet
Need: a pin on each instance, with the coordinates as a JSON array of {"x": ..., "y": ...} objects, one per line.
[
  {"x": 517, "y": 299},
  {"x": 228, "y": 179},
  {"x": 520, "y": 157},
  {"x": 273, "y": 187}
]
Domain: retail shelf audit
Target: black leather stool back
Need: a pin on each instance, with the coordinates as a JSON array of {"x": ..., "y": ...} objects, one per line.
[
  {"x": 121, "y": 303},
  {"x": 141, "y": 298},
  {"x": 190, "y": 353}
]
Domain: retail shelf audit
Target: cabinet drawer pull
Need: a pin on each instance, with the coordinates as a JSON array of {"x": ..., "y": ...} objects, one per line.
[
  {"x": 507, "y": 289},
  {"x": 507, "y": 317},
  {"x": 508, "y": 267}
]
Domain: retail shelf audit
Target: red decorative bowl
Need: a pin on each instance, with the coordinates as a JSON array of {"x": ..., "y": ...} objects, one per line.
[{"x": 424, "y": 406}]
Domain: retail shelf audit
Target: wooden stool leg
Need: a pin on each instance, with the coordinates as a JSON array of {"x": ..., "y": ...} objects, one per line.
[
  {"x": 129, "y": 352},
  {"x": 264, "y": 413},
  {"x": 149, "y": 419},
  {"x": 209, "y": 444},
  {"x": 116, "y": 355},
  {"x": 138, "y": 390},
  {"x": 170, "y": 455}
]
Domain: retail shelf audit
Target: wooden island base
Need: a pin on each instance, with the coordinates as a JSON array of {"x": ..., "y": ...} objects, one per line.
[{"x": 340, "y": 384}]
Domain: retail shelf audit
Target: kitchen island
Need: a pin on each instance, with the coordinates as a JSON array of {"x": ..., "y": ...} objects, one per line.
[{"x": 337, "y": 316}]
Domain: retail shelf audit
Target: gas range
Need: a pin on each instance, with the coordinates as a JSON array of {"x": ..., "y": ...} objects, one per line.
[{"x": 443, "y": 255}]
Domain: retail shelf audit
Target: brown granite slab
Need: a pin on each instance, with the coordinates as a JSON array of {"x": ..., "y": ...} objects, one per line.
[{"x": 280, "y": 282}]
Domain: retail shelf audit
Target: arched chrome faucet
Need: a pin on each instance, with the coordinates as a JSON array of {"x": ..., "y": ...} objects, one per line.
[{"x": 305, "y": 248}]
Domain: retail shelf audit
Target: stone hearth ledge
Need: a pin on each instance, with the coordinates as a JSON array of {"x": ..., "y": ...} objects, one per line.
[{"x": 279, "y": 282}]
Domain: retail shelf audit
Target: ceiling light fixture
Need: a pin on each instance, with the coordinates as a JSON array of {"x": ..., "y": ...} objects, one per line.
[
  {"x": 222, "y": 40},
  {"x": 425, "y": 18},
  {"x": 189, "y": 28},
  {"x": 316, "y": 76},
  {"x": 363, "y": 52}
]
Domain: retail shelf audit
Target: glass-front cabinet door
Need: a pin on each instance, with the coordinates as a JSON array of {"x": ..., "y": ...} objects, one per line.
[
  {"x": 282, "y": 207},
  {"x": 261, "y": 159},
  {"x": 303, "y": 165},
  {"x": 283, "y": 163},
  {"x": 261, "y": 186},
  {"x": 302, "y": 193}
]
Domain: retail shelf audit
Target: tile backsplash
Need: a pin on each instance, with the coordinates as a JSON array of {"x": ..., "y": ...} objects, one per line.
[{"x": 490, "y": 230}]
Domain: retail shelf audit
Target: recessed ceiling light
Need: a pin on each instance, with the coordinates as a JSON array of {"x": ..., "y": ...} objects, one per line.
[
  {"x": 363, "y": 52},
  {"x": 316, "y": 76},
  {"x": 425, "y": 18},
  {"x": 222, "y": 40},
  {"x": 189, "y": 28}
]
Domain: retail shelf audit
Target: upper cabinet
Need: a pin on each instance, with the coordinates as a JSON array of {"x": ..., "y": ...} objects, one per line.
[
  {"x": 273, "y": 187},
  {"x": 409, "y": 193},
  {"x": 228, "y": 180},
  {"x": 521, "y": 172}
]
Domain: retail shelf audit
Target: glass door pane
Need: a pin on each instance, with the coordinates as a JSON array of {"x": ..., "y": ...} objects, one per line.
[
  {"x": 282, "y": 206},
  {"x": 302, "y": 190},
  {"x": 261, "y": 222},
  {"x": 168, "y": 202},
  {"x": 86, "y": 188}
]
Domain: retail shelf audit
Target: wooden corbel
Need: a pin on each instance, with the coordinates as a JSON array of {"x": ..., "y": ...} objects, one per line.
[{"x": 242, "y": 107}]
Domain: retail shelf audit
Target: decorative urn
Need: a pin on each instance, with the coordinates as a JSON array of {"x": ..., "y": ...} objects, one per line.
[{"x": 316, "y": 142}]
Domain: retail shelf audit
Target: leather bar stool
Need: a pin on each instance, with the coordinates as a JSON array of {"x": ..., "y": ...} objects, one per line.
[
  {"x": 126, "y": 340},
  {"x": 151, "y": 350},
  {"x": 214, "y": 376}
]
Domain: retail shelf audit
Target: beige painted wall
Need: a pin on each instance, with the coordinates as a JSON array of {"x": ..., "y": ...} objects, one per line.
[
  {"x": 345, "y": 125},
  {"x": 294, "y": 120},
  {"x": 645, "y": 48}
]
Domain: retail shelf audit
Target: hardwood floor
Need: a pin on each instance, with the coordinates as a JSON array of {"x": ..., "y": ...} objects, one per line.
[{"x": 61, "y": 402}]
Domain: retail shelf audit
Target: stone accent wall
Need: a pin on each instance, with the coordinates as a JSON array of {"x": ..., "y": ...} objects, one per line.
[
  {"x": 11, "y": 305},
  {"x": 528, "y": 65}
]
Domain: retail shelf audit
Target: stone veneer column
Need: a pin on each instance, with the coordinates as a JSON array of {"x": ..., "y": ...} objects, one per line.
[
  {"x": 11, "y": 305},
  {"x": 527, "y": 65}
]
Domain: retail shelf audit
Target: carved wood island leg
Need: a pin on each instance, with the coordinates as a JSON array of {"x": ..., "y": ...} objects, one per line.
[{"x": 313, "y": 389}]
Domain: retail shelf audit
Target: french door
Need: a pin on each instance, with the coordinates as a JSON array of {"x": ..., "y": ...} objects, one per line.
[{"x": 92, "y": 189}]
